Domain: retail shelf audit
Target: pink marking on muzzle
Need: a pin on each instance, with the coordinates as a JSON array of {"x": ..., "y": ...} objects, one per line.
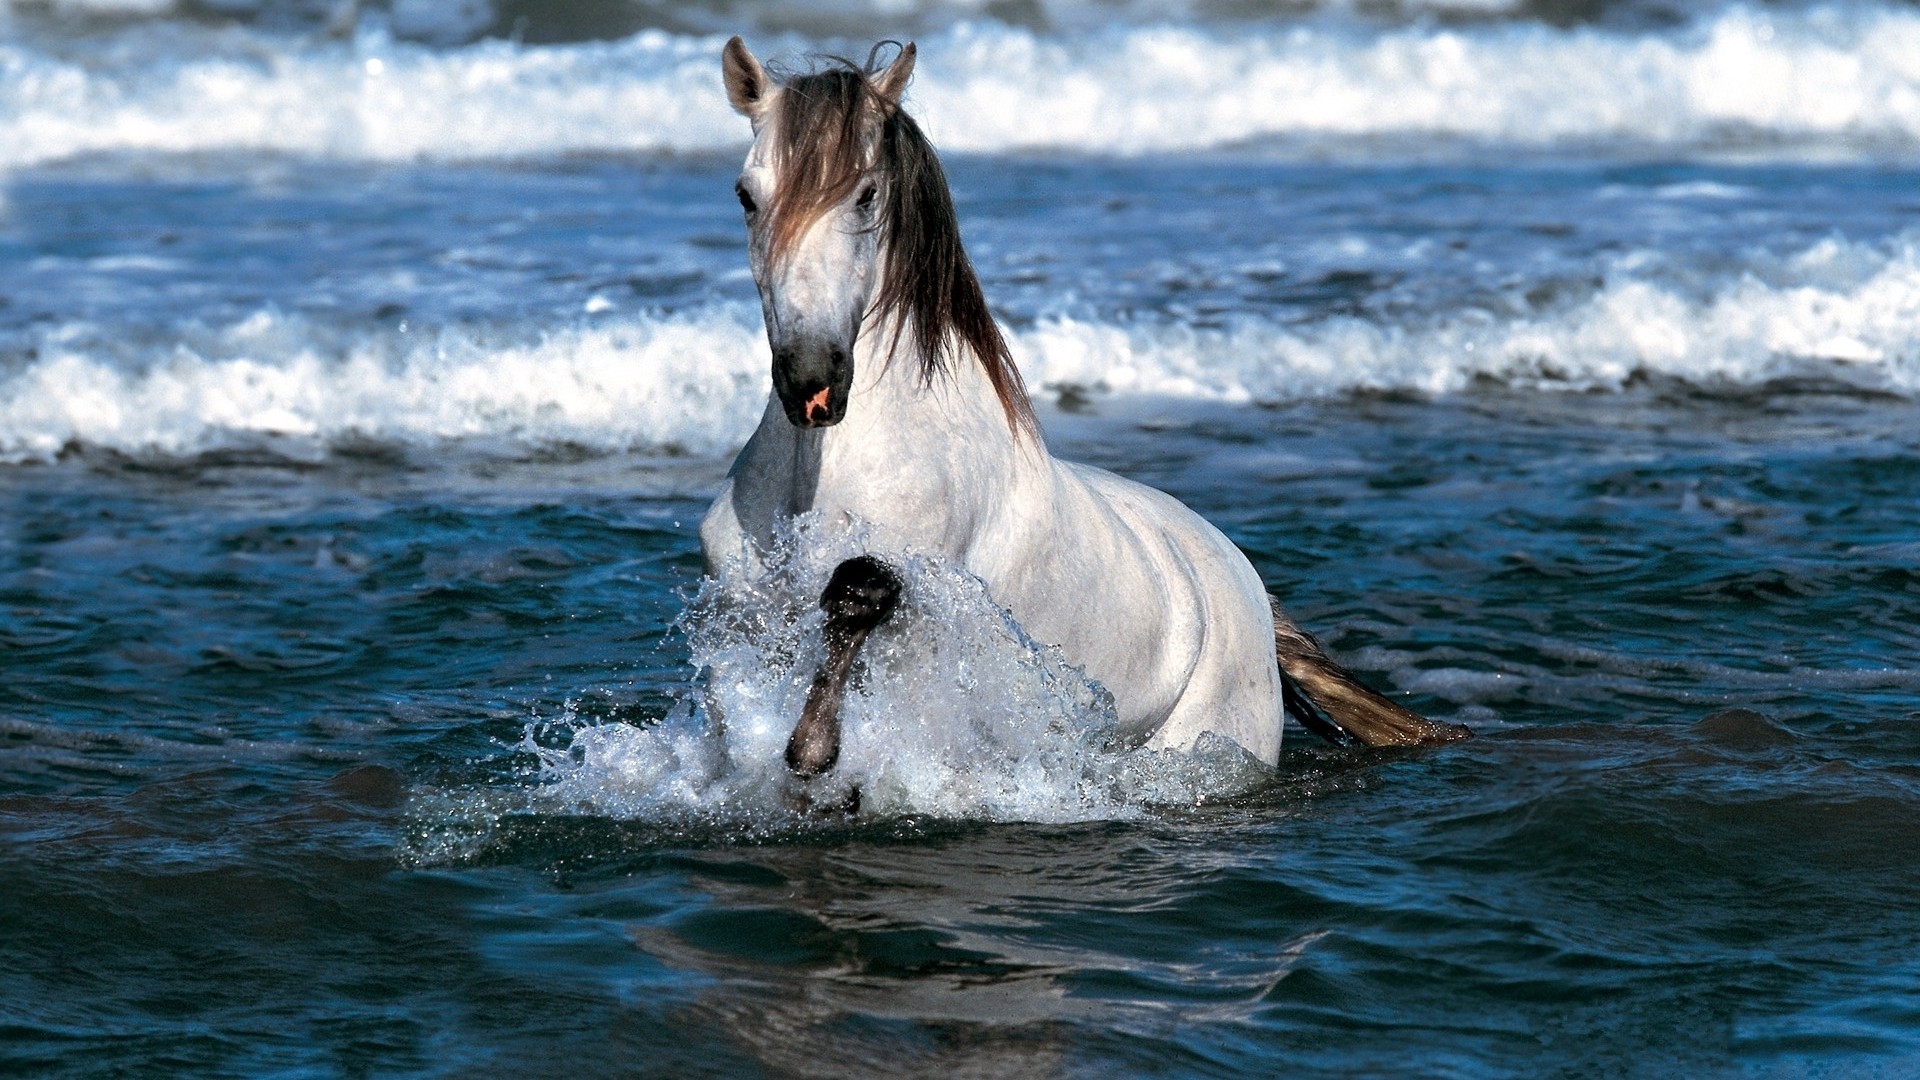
[{"x": 817, "y": 406}]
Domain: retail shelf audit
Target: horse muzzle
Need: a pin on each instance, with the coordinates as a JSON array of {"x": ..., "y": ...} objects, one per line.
[{"x": 813, "y": 382}]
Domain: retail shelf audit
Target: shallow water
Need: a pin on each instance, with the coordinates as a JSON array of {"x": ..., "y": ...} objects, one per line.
[
  {"x": 350, "y": 603},
  {"x": 250, "y": 707}
]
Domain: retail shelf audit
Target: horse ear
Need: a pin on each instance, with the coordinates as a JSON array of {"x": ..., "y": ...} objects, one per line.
[
  {"x": 746, "y": 79},
  {"x": 891, "y": 83}
]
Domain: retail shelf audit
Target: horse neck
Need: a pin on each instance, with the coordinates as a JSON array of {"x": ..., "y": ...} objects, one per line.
[
  {"x": 948, "y": 433},
  {"x": 957, "y": 403}
]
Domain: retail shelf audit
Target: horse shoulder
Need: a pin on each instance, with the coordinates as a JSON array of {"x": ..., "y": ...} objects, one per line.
[{"x": 1218, "y": 619}]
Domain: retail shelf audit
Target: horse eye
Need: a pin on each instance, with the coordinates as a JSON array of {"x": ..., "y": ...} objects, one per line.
[
  {"x": 866, "y": 197},
  {"x": 746, "y": 200}
]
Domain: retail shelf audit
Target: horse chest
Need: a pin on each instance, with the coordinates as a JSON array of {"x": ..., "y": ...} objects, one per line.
[{"x": 906, "y": 497}]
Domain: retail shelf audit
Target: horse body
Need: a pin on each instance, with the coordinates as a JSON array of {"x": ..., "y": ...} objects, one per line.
[
  {"x": 1146, "y": 596},
  {"x": 897, "y": 411}
]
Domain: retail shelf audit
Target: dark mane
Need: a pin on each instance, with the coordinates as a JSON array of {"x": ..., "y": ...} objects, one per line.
[{"x": 929, "y": 293}]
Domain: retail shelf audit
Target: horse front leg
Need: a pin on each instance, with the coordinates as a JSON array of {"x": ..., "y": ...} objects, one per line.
[{"x": 860, "y": 596}]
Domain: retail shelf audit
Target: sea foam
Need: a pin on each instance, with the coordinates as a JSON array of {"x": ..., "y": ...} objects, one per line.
[
  {"x": 696, "y": 382},
  {"x": 1839, "y": 310},
  {"x": 690, "y": 383},
  {"x": 1841, "y": 80}
]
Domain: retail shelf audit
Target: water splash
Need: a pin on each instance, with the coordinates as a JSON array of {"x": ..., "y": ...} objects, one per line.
[{"x": 958, "y": 714}]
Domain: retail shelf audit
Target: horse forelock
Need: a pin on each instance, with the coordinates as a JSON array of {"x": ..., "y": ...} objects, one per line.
[
  {"x": 824, "y": 142},
  {"x": 819, "y": 150}
]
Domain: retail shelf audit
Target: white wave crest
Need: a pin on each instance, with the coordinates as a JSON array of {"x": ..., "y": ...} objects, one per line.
[
  {"x": 374, "y": 99},
  {"x": 1829, "y": 75},
  {"x": 1843, "y": 79},
  {"x": 696, "y": 382},
  {"x": 1839, "y": 310}
]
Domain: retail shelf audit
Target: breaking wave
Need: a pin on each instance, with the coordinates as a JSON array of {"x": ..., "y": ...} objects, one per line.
[
  {"x": 695, "y": 382},
  {"x": 1842, "y": 80}
]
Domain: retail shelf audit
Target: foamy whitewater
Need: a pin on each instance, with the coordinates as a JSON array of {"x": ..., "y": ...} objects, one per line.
[
  {"x": 694, "y": 381},
  {"x": 1838, "y": 80}
]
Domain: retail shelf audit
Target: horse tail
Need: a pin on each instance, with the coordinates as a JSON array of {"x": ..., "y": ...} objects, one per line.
[{"x": 1331, "y": 703}]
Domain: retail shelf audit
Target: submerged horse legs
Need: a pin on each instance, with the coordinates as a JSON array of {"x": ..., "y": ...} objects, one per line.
[{"x": 860, "y": 596}]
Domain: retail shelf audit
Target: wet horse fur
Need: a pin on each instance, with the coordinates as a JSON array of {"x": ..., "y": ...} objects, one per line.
[{"x": 897, "y": 410}]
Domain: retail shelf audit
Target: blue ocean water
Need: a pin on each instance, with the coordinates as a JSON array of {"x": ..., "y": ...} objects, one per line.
[{"x": 365, "y": 370}]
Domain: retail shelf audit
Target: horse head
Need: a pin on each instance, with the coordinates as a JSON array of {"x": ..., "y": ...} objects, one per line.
[
  {"x": 811, "y": 190},
  {"x": 850, "y": 226}
]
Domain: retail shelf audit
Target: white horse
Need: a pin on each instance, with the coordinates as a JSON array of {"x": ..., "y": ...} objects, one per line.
[{"x": 897, "y": 406}]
